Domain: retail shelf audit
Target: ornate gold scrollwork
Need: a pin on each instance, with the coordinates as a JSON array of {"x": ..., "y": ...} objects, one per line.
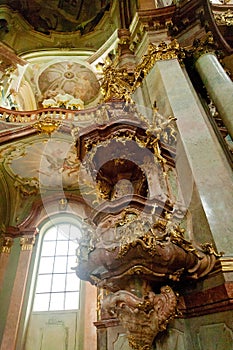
[
  {"x": 140, "y": 270},
  {"x": 209, "y": 249},
  {"x": 120, "y": 82},
  {"x": 162, "y": 129},
  {"x": 203, "y": 45},
  {"x": 47, "y": 125},
  {"x": 147, "y": 242},
  {"x": 224, "y": 18},
  {"x": 27, "y": 186},
  {"x": 155, "y": 53}
]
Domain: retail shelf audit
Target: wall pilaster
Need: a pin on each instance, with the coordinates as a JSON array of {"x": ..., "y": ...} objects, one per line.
[
  {"x": 17, "y": 296},
  {"x": 5, "y": 250}
]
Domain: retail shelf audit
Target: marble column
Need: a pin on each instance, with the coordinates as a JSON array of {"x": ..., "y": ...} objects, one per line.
[
  {"x": 219, "y": 87},
  {"x": 18, "y": 291},
  {"x": 169, "y": 84}
]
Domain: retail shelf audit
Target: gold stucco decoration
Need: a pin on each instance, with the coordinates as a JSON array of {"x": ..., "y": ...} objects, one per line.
[
  {"x": 47, "y": 125},
  {"x": 121, "y": 82},
  {"x": 224, "y": 18},
  {"x": 6, "y": 244},
  {"x": 201, "y": 46}
]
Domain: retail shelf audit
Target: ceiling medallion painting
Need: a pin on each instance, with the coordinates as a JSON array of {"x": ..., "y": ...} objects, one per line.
[
  {"x": 52, "y": 164},
  {"x": 71, "y": 78},
  {"x": 61, "y": 15}
]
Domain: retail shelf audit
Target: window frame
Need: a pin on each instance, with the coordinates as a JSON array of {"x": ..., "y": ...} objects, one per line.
[{"x": 44, "y": 228}]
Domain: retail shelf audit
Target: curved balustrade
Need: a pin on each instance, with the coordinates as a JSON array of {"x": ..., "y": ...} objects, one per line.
[{"x": 59, "y": 114}]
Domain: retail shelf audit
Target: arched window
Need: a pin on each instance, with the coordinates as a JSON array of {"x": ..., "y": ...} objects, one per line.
[{"x": 57, "y": 286}]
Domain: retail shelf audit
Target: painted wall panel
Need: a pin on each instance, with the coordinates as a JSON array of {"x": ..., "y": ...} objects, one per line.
[
  {"x": 215, "y": 337},
  {"x": 53, "y": 331}
]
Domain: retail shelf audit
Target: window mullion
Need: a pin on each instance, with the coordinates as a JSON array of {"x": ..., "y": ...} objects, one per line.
[
  {"x": 54, "y": 257},
  {"x": 67, "y": 255},
  {"x": 57, "y": 249}
]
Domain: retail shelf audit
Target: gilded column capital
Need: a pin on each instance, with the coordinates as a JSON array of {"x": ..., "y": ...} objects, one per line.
[
  {"x": 202, "y": 46},
  {"x": 27, "y": 242},
  {"x": 6, "y": 244}
]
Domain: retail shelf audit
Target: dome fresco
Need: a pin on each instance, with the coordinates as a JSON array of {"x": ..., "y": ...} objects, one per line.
[{"x": 69, "y": 78}]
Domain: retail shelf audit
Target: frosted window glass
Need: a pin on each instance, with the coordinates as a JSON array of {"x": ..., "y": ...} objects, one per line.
[
  {"x": 43, "y": 283},
  {"x": 63, "y": 232},
  {"x": 75, "y": 232},
  {"x": 57, "y": 301},
  {"x": 71, "y": 263},
  {"x": 72, "y": 282},
  {"x": 60, "y": 264},
  {"x": 48, "y": 248},
  {"x": 41, "y": 302},
  {"x": 55, "y": 275},
  {"x": 58, "y": 283},
  {"x": 46, "y": 265},
  {"x": 62, "y": 248},
  {"x": 72, "y": 248},
  {"x": 72, "y": 300},
  {"x": 51, "y": 234}
]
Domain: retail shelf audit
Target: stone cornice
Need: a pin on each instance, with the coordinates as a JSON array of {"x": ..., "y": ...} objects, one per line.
[
  {"x": 9, "y": 57},
  {"x": 14, "y": 134},
  {"x": 216, "y": 299},
  {"x": 199, "y": 12}
]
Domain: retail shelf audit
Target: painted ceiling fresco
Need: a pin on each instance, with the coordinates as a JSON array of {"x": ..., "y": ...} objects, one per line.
[
  {"x": 60, "y": 15},
  {"x": 44, "y": 164},
  {"x": 69, "y": 78}
]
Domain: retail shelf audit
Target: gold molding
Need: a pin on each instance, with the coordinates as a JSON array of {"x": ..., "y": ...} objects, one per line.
[
  {"x": 224, "y": 18},
  {"x": 227, "y": 264}
]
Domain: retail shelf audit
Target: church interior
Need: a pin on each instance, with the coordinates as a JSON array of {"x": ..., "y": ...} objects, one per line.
[{"x": 116, "y": 191}]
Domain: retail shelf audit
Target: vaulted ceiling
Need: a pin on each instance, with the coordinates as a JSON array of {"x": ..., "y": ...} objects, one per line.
[
  {"x": 33, "y": 25},
  {"x": 60, "y": 15}
]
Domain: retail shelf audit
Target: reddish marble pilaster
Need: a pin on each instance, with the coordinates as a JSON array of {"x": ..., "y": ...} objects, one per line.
[
  {"x": 90, "y": 340},
  {"x": 18, "y": 291}
]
